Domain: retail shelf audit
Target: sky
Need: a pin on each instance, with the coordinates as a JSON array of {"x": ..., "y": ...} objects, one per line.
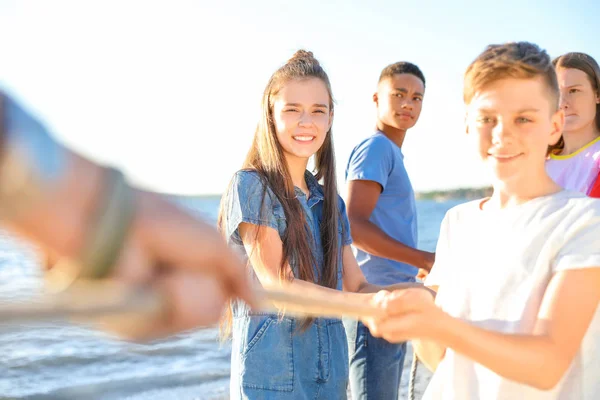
[{"x": 170, "y": 91}]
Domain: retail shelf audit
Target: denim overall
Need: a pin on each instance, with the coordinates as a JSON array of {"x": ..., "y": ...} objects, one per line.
[{"x": 271, "y": 357}]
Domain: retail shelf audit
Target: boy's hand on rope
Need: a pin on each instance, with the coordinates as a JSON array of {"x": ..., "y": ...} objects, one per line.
[{"x": 409, "y": 314}]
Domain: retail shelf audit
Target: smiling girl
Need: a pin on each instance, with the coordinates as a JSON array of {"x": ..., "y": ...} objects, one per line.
[{"x": 295, "y": 234}]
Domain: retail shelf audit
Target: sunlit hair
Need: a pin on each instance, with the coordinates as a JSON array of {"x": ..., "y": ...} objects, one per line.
[{"x": 518, "y": 60}]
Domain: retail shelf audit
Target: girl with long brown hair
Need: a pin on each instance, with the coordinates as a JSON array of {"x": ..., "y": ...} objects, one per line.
[{"x": 295, "y": 233}]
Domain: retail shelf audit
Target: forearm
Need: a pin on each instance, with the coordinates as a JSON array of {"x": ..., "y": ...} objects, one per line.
[
  {"x": 370, "y": 238},
  {"x": 314, "y": 290},
  {"x": 528, "y": 359},
  {"x": 372, "y": 288},
  {"x": 304, "y": 298}
]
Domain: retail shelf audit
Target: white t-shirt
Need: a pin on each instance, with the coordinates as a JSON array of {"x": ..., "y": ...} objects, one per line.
[{"x": 493, "y": 268}]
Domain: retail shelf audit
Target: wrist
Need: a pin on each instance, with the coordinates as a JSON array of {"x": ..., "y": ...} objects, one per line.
[
  {"x": 105, "y": 233},
  {"x": 426, "y": 260},
  {"x": 77, "y": 202},
  {"x": 441, "y": 327},
  {"x": 46, "y": 191}
]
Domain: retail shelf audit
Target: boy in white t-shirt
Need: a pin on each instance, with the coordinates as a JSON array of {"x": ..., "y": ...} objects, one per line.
[{"x": 517, "y": 275}]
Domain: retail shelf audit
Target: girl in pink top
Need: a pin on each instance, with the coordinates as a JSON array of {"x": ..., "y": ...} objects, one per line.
[{"x": 575, "y": 162}]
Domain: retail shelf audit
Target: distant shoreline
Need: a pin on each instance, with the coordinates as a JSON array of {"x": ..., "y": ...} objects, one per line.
[
  {"x": 436, "y": 195},
  {"x": 455, "y": 194}
]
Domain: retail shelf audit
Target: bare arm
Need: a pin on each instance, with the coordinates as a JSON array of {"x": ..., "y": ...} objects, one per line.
[
  {"x": 539, "y": 359},
  {"x": 362, "y": 198},
  {"x": 265, "y": 250},
  {"x": 54, "y": 199}
]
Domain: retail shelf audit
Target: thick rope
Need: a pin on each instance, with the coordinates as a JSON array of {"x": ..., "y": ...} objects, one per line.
[{"x": 413, "y": 375}]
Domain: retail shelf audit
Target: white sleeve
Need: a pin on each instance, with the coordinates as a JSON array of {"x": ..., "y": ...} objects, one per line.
[
  {"x": 581, "y": 246},
  {"x": 440, "y": 266}
]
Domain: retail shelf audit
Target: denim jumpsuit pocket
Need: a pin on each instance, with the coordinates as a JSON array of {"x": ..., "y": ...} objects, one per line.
[
  {"x": 337, "y": 341},
  {"x": 267, "y": 357}
]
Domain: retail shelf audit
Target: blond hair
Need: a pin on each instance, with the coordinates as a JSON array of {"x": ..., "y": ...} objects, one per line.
[{"x": 520, "y": 60}]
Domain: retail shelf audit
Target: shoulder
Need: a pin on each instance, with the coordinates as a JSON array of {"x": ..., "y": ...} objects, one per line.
[
  {"x": 376, "y": 141},
  {"x": 249, "y": 183},
  {"x": 595, "y": 146},
  {"x": 576, "y": 232},
  {"x": 248, "y": 176},
  {"x": 565, "y": 215},
  {"x": 374, "y": 152},
  {"x": 569, "y": 202},
  {"x": 577, "y": 206}
]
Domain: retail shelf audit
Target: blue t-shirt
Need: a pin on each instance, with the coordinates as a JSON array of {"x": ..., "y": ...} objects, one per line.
[{"x": 379, "y": 159}]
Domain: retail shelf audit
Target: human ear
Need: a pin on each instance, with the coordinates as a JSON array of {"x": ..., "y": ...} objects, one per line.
[{"x": 558, "y": 123}]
